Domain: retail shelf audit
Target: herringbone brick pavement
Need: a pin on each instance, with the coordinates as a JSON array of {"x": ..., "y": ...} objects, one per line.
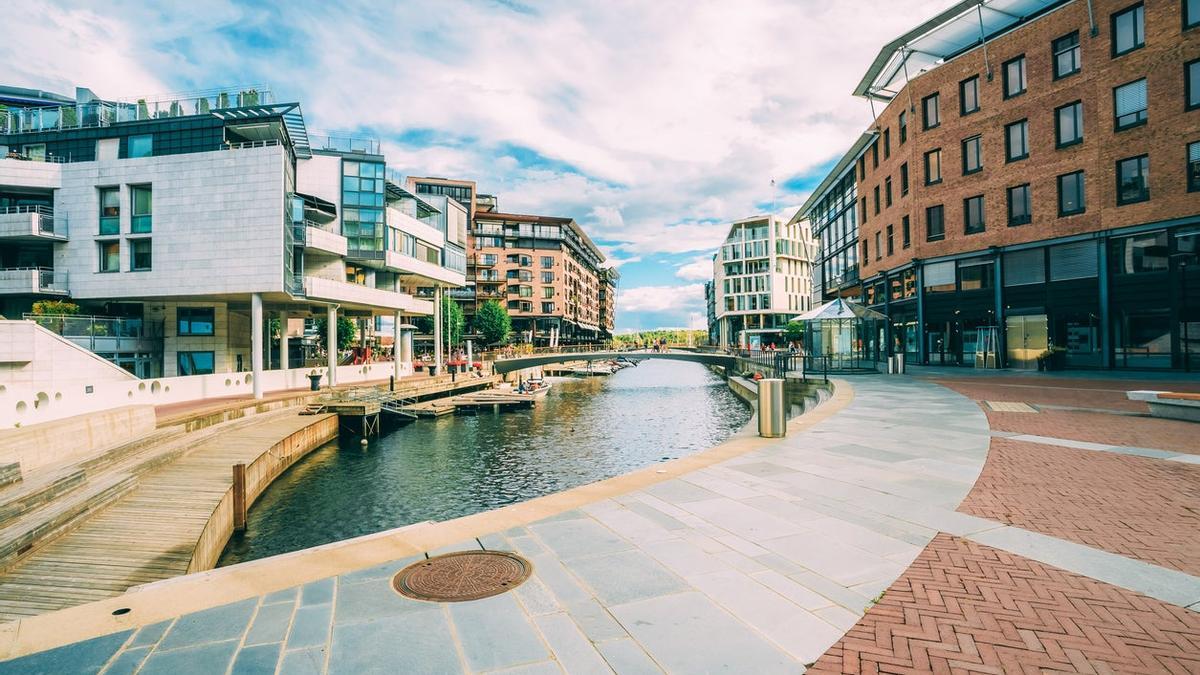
[
  {"x": 963, "y": 607},
  {"x": 1142, "y": 508},
  {"x": 1138, "y": 432}
]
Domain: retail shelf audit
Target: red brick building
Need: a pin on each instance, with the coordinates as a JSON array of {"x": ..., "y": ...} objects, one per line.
[{"x": 1032, "y": 182}]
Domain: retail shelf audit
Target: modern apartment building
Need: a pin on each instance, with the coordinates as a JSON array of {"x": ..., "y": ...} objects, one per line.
[
  {"x": 180, "y": 225},
  {"x": 762, "y": 277},
  {"x": 1032, "y": 181}
]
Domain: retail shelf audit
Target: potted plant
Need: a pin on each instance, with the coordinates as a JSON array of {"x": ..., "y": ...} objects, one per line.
[{"x": 1053, "y": 358}]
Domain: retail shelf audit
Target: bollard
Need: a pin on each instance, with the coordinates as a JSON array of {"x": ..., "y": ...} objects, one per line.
[
  {"x": 239, "y": 497},
  {"x": 772, "y": 411}
]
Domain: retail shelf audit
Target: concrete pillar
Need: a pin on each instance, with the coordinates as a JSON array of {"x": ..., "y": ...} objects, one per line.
[
  {"x": 256, "y": 343},
  {"x": 406, "y": 343},
  {"x": 470, "y": 356},
  {"x": 331, "y": 343},
  {"x": 437, "y": 327},
  {"x": 283, "y": 340},
  {"x": 396, "y": 342}
]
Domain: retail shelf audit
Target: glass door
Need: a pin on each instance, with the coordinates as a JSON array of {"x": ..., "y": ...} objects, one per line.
[{"x": 1027, "y": 338}]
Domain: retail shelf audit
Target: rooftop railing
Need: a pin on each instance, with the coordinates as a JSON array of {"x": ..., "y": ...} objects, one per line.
[{"x": 344, "y": 143}]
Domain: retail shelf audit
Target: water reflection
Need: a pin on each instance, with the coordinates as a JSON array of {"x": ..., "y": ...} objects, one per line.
[{"x": 585, "y": 430}]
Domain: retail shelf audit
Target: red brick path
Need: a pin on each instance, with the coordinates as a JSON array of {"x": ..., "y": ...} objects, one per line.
[
  {"x": 1142, "y": 508},
  {"x": 967, "y": 608},
  {"x": 1139, "y": 432}
]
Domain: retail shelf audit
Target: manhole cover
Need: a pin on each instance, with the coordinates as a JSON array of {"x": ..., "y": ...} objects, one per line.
[{"x": 463, "y": 575}]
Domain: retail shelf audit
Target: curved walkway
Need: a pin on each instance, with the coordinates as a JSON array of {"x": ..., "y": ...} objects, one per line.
[{"x": 760, "y": 562}]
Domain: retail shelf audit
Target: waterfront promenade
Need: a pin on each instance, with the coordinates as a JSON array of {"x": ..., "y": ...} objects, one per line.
[{"x": 880, "y": 534}]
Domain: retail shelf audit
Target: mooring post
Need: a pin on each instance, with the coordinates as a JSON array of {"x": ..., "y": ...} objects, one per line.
[{"x": 239, "y": 497}]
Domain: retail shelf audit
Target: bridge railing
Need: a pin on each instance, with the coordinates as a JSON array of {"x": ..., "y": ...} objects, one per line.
[
  {"x": 780, "y": 364},
  {"x": 519, "y": 351}
]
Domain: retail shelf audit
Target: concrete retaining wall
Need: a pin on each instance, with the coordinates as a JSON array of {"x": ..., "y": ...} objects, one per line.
[{"x": 75, "y": 437}]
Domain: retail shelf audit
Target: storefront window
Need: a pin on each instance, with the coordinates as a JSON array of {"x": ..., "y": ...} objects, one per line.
[
  {"x": 1143, "y": 338},
  {"x": 976, "y": 276},
  {"x": 1140, "y": 253}
]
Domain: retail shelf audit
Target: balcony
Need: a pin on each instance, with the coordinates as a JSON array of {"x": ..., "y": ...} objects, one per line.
[
  {"x": 320, "y": 238},
  {"x": 31, "y": 223},
  {"x": 32, "y": 281},
  {"x": 365, "y": 297},
  {"x": 104, "y": 334},
  {"x": 426, "y": 271}
]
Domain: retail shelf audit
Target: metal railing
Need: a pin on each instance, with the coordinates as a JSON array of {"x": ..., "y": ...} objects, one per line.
[
  {"x": 45, "y": 215},
  {"x": 781, "y": 363},
  {"x": 103, "y": 333},
  {"x": 53, "y": 159},
  {"x": 246, "y": 145},
  {"x": 344, "y": 143},
  {"x": 105, "y": 113}
]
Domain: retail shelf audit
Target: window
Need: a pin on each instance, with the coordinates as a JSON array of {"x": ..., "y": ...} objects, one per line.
[
  {"x": 1133, "y": 180},
  {"x": 110, "y": 256},
  {"x": 878, "y": 247},
  {"x": 547, "y": 277},
  {"x": 887, "y": 143},
  {"x": 1066, "y": 55},
  {"x": 194, "y": 321},
  {"x": 968, "y": 96},
  {"x": 1139, "y": 253},
  {"x": 1016, "y": 141},
  {"x": 547, "y": 262},
  {"x": 973, "y": 215},
  {"x": 976, "y": 275},
  {"x": 1014, "y": 77},
  {"x": 933, "y": 166},
  {"x": 547, "y": 292},
  {"x": 195, "y": 363},
  {"x": 1191, "y": 14},
  {"x": 1071, "y": 198},
  {"x": 1020, "y": 207},
  {"x": 1191, "y": 83},
  {"x": 929, "y": 106},
  {"x": 876, "y": 200},
  {"x": 862, "y": 168},
  {"x": 1128, "y": 30},
  {"x": 139, "y": 255},
  {"x": 887, "y": 191},
  {"x": 875, "y": 155},
  {"x": 972, "y": 155},
  {"x": 866, "y": 254},
  {"x": 903, "y": 125},
  {"x": 547, "y": 308},
  {"x": 904, "y": 179},
  {"x": 1129, "y": 104},
  {"x": 890, "y": 239},
  {"x": 140, "y": 200},
  {"x": 110, "y": 210},
  {"x": 935, "y": 225},
  {"x": 905, "y": 233},
  {"x": 141, "y": 146},
  {"x": 1068, "y": 124},
  {"x": 1193, "y": 167},
  {"x": 864, "y": 210}
]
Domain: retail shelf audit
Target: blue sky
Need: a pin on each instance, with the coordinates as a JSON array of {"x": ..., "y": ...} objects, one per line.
[{"x": 653, "y": 124}]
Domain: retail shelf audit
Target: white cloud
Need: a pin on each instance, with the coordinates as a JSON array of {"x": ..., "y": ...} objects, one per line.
[
  {"x": 661, "y": 298},
  {"x": 700, "y": 269}
]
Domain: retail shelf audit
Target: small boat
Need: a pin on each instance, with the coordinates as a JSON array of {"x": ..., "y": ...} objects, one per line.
[{"x": 538, "y": 387}]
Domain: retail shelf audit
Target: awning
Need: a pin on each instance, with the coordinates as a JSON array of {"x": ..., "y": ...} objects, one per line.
[{"x": 840, "y": 309}]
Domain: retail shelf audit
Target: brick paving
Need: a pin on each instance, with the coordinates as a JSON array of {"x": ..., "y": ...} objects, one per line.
[
  {"x": 963, "y": 607},
  {"x": 1067, "y": 392},
  {"x": 1126, "y": 430},
  {"x": 1142, "y": 508}
]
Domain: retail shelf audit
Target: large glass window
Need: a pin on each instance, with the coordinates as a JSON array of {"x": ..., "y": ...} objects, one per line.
[
  {"x": 1139, "y": 253},
  {"x": 1129, "y": 104},
  {"x": 1191, "y": 81},
  {"x": 1133, "y": 180},
  {"x": 1068, "y": 124},
  {"x": 1071, "y": 198},
  {"x": 1128, "y": 30},
  {"x": 935, "y": 224},
  {"x": 141, "y": 146},
  {"x": 140, "y": 197},
  {"x": 932, "y": 115},
  {"x": 972, "y": 155},
  {"x": 1191, "y": 14},
  {"x": 933, "y": 166},
  {"x": 362, "y": 207},
  {"x": 1016, "y": 141},
  {"x": 976, "y": 275},
  {"x": 968, "y": 95},
  {"x": 1066, "y": 55},
  {"x": 1014, "y": 77},
  {"x": 195, "y": 363},
  {"x": 110, "y": 210},
  {"x": 140, "y": 255},
  {"x": 973, "y": 215},
  {"x": 1193, "y": 167},
  {"x": 1020, "y": 207},
  {"x": 194, "y": 320},
  {"x": 110, "y": 256}
]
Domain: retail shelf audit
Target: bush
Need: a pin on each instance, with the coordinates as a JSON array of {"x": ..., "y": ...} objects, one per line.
[{"x": 54, "y": 307}]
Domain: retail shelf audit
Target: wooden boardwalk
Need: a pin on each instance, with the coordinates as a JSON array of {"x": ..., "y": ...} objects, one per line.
[{"x": 147, "y": 535}]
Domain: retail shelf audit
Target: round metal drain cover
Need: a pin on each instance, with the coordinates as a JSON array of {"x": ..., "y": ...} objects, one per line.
[{"x": 463, "y": 575}]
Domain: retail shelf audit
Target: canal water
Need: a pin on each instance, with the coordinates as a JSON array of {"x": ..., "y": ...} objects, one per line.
[{"x": 585, "y": 430}]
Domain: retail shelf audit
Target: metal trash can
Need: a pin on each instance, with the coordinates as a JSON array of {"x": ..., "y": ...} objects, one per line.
[
  {"x": 314, "y": 382},
  {"x": 900, "y": 363},
  {"x": 772, "y": 408}
]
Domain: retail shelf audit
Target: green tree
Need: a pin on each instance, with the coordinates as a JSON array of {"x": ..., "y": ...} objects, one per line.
[
  {"x": 51, "y": 307},
  {"x": 452, "y": 321},
  {"x": 345, "y": 331},
  {"x": 794, "y": 331},
  {"x": 493, "y": 322}
]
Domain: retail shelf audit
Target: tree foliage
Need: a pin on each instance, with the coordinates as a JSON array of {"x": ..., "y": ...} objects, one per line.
[
  {"x": 452, "y": 321},
  {"x": 493, "y": 322},
  {"x": 345, "y": 332},
  {"x": 674, "y": 336},
  {"x": 794, "y": 331},
  {"x": 52, "y": 307}
]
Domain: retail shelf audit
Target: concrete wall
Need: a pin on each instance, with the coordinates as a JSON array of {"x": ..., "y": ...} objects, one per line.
[
  {"x": 34, "y": 359},
  {"x": 74, "y": 438}
]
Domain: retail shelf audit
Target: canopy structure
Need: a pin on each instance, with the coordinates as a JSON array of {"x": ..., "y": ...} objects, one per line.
[{"x": 846, "y": 335}]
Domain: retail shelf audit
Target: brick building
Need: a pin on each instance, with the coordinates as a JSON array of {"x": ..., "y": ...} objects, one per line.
[{"x": 1032, "y": 183}]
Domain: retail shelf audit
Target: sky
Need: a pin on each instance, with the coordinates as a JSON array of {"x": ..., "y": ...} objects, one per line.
[{"x": 652, "y": 123}]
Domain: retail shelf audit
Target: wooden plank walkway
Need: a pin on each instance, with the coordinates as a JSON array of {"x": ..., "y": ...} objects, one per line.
[{"x": 148, "y": 534}]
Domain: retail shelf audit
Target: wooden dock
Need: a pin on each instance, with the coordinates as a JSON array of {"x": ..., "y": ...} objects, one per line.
[
  {"x": 148, "y": 534},
  {"x": 496, "y": 399}
]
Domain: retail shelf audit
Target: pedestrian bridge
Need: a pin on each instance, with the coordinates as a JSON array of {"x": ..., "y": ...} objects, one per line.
[{"x": 535, "y": 360}]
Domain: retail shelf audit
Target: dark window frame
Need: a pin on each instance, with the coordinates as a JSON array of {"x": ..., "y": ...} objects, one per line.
[
  {"x": 1024, "y": 76},
  {"x": 902, "y": 124},
  {"x": 887, "y": 143},
  {"x": 937, "y": 151},
  {"x": 887, "y": 191},
  {"x": 1188, "y": 104},
  {"x": 891, "y": 238},
  {"x": 133, "y": 254},
  {"x": 192, "y": 312},
  {"x": 962, "y": 98},
  {"x": 940, "y": 210},
  {"x": 904, "y": 179},
  {"x": 1082, "y": 193},
  {"x": 982, "y": 225},
  {"x": 1144, "y": 116},
  {"x": 1028, "y": 217},
  {"x": 1112, "y": 26},
  {"x": 1009, "y": 158},
  {"x": 1193, "y": 180},
  {"x": 1144, "y": 174},
  {"x": 1184, "y": 16},
  {"x": 937, "y": 110},
  {"x": 190, "y": 354},
  {"x": 977, "y": 139},
  {"x": 101, "y": 268},
  {"x": 1055, "y": 50},
  {"x": 1058, "y": 142},
  {"x": 876, "y": 200},
  {"x": 875, "y": 154},
  {"x": 905, "y": 232}
]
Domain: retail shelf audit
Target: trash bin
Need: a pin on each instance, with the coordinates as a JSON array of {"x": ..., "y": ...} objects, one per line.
[
  {"x": 900, "y": 363},
  {"x": 772, "y": 414},
  {"x": 314, "y": 382},
  {"x": 432, "y": 370}
]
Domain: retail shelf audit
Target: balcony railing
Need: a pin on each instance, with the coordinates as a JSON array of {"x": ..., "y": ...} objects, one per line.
[
  {"x": 29, "y": 280},
  {"x": 44, "y": 216},
  {"x": 344, "y": 143},
  {"x": 104, "y": 333}
]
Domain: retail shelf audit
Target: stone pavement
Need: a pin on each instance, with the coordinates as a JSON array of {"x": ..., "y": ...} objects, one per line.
[{"x": 759, "y": 563}]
